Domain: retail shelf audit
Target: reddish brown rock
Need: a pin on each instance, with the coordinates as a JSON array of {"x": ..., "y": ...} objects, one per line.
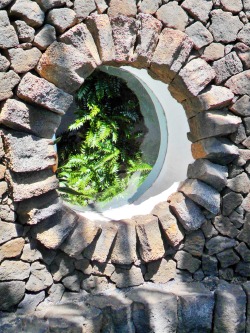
[
  {"x": 11, "y": 249},
  {"x": 240, "y": 83},
  {"x": 199, "y": 9},
  {"x": 122, "y": 7},
  {"x": 149, "y": 6},
  {"x": 214, "y": 51},
  {"x": 226, "y": 67},
  {"x": 8, "y": 80}
]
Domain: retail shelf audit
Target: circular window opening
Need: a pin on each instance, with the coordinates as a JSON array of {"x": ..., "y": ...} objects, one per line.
[{"x": 110, "y": 147}]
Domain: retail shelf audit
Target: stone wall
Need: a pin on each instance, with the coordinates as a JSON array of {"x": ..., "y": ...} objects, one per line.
[{"x": 201, "y": 48}]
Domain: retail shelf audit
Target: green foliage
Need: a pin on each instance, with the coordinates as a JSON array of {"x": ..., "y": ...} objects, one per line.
[{"x": 100, "y": 152}]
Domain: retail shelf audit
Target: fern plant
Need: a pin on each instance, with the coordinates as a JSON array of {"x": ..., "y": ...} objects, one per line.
[{"x": 101, "y": 149}]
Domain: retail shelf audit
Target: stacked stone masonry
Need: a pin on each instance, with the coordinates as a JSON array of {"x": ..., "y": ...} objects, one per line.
[{"x": 194, "y": 249}]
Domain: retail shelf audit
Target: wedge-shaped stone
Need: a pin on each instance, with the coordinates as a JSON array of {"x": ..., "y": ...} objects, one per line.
[
  {"x": 43, "y": 93},
  {"x": 11, "y": 249},
  {"x": 12, "y": 293},
  {"x": 45, "y": 37},
  {"x": 124, "y": 251},
  {"x": 244, "y": 234},
  {"x": 37, "y": 209},
  {"x": 24, "y": 31},
  {"x": 230, "y": 201},
  {"x": 80, "y": 37},
  {"x": 218, "y": 244},
  {"x": 81, "y": 237},
  {"x": 240, "y": 183},
  {"x": 8, "y": 37},
  {"x": 124, "y": 31},
  {"x": 83, "y": 9},
  {"x": 217, "y": 150},
  {"x": 151, "y": 243},
  {"x": 194, "y": 243},
  {"x": 210, "y": 173},
  {"x": 26, "y": 152},
  {"x": 62, "y": 18},
  {"x": 27, "y": 118},
  {"x": 29, "y": 11},
  {"x": 8, "y": 80},
  {"x": 199, "y": 35},
  {"x": 101, "y": 30},
  {"x": 153, "y": 310},
  {"x": 125, "y": 278},
  {"x": 213, "y": 123},
  {"x": 201, "y": 193},
  {"x": 226, "y": 67},
  {"x": 225, "y": 226},
  {"x": 242, "y": 106},
  {"x": 172, "y": 16},
  {"x": 68, "y": 71},
  {"x": 186, "y": 261},
  {"x": 214, "y": 97},
  {"x": 186, "y": 211},
  {"x": 31, "y": 184},
  {"x": 168, "y": 223},
  {"x": 9, "y": 231},
  {"x": 171, "y": 52},
  {"x": 14, "y": 270},
  {"x": 148, "y": 36},
  {"x": 199, "y": 9},
  {"x": 54, "y": 230},
  {"x": 105, "y": 241},
  {"x": 122, "y": 7},
  {"x": 230, "y": 309},
  {"x": 240, "y": 83}
]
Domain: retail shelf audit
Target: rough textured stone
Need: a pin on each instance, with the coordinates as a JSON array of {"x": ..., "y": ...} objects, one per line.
[
  {"x": 101, "y": 6},
  {"x": 26, "y": 153},
  {"x": 148, "y": 36},
  {"x": 8, "y": 37},
  {"x": 151, "y": 244},
  {"x": 199, "y": 9},
  {"x": 5, "y": 3},
  {"x": 225, "y": 26},
  {"x": 210, "y": 173},
  {"x": 41, "y": 92},
  {"x": 124, "y": 278},
  {"x": 82, "y": 236},
  {"x": 243, "y": 52},
  {"x": 94, "y": 284},
  {"x": 122, "y": 7},
  {"x": 35, "y": 210},
  {"x": 243, "y": 268},
  {"x": 7, "y": 214},
  {"x": 54, "y": 230},
  {"x": 29, "y": 11},
  {"x": 208, "y": 230},
  {"x": 240, "y": 135},
  {"x": 14, "y": 270},
  {"x": 11, "y": 249},
  {"x": 243, "y": 35},
  {"x": 30, "y": 302},
  {"x": 187, "y": 212},
  {"x": 80, "y": 37},
  {"x": 104, "y": 242},
  {"x": 186, "y": 261},
  {"x": 149, "y": 310},
  {"x": 2, "y": 171},
  {"x": 61, "y": 266},
  {"x": 62, "y": 18},
  {"x": 100, "y": 269},
  {"x": 45, "y": 37},
  {"x": 246, "y": 122},
  {"x": 243, "y": 251},
  {"x": 100, "y": 28},
  {"x": 240, "y": 183},
  {"x": 149, "y": 6},
  {"x": 8, "y": 81},
  {"x": 244, "y": 235},
  {"x": 48, "y": 4},
  {"x": 124, "y": 251},
  {"x": 40, "y": 278},
  {"x": 213, "y": 123},
  {"x": 230, "y": 201},
  {"x": 246, "y": 287},
  {"x": 228, "y": 258},
  {"x": 4, "y": 64},
  {"x": 240, "y": 83},
  {"x": 230, "y": 309},
  {"x": 226, "y": 67},
  {"x": 199, "y": 35},
  {"x": 161, "y": 271},
  {"x": 9, "y": 231},
  {"x": 172, "y": 16},
  {"x": 234, "y": 6},
  {"x": 242, "y": 106},
  {"x": 124, "y": 31},
  {"x": 218, "y": 244},
  {"x": 21, "y": 116},
  {"x": 83, "y": 9},
  {"x": 194, "y": 243},
  {"x": 168, "y": 223},
  {"x": 3, "y": 188},
  {"x": 212, "y": 98},
  {"x": 171, "y": 52},
  {"x": 73, "y": 281},
  {"x": 209, "y": 265},
  {"x": 202, "y": 194},
  {"x": 11, "y": 293},
  {"x": 246, "y": 203},
  {"x": 214, "y": 51},
  {"x": 31, "y": 253},
  {"x": 217, "y": 150},
  {"x": 25, "y": 32},
  {"x": 67, "y": 72}
]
